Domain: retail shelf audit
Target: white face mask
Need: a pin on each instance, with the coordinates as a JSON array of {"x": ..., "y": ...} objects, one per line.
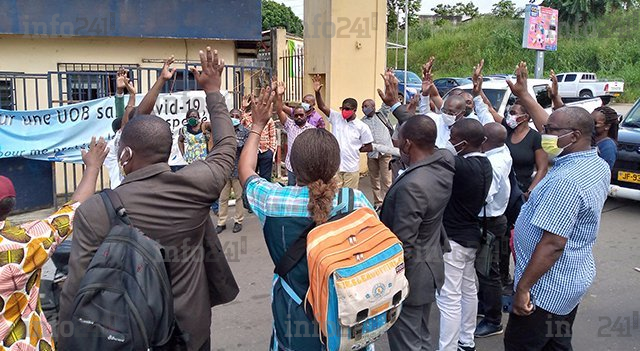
[
  {"x": 512, "y": 121},
  {"x": 121, "y": 165},
  {"x": 452, "y": 147},
  {"x": 449, "y": 120}
]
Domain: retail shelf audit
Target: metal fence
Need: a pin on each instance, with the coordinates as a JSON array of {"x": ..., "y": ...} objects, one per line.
[
  {"x": 293, "y": 71},
  {"x": 77, "y": 82}
]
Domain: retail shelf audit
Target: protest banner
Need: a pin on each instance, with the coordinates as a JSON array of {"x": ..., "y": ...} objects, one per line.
[{"x": 58, "y": 134}]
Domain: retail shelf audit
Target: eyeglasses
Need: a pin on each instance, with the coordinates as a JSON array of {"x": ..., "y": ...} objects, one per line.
[
  {"x": 547, "y": 129},
  {"x": 346, "y": 109},
  {"x": 299, "y": 115},
  {"x": 449, "y": 112}
]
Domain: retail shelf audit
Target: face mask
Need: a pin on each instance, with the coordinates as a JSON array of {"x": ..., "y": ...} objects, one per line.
[
  {"x": 346, "y": 114},
  {"x": 550, "y": 145},
  {"x": 367, "y": 111},
  {"x": 235, "y": 121},
  {"x": 512, "y": 121},
  {"x": 453, "y": 148},
  {"x": 121, "y": 165},
  {"x": 449, "y": 120},
  {"x": 192, "y": 121},
  {"x": 305, "y": 106}
]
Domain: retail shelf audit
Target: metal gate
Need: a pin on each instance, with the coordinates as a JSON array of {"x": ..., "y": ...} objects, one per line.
[{"x": 77, "y": 82}]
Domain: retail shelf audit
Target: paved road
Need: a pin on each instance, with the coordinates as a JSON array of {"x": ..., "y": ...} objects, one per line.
[{"x": 245, "y": 324}]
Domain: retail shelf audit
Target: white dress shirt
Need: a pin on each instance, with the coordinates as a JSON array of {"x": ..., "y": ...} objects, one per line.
[
  {"x": 111, "y": 161},
  {"x": 500, "y": 190},
  {"x": 351, "y": 137}
]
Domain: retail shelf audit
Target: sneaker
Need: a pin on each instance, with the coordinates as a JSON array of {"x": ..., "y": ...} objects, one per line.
[
  {"x": 237, "y": 227},
  {"x": 462, "y": 347},
  {"x": 221, "y": 228},
  {"x": 486, "y": 329}
]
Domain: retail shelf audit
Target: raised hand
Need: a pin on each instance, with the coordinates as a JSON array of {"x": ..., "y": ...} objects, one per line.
[
  {"x": 97, "y": 153},
  {"x": 131, "y": 89},
  {"x": 553, "y": 89},
  {"x": 212, "y": 66},
  {"x": 413, "y": 104},
  {"x": 390, "y": 95},
  {"x": 246, "y": 101},
  {"x": 167, "y": 72},
  {"x": 477, "y": 70},
  {"x": 280, "y": 88},
  {"x": 427, "y": 67},
  {"x": 121, "y": 78},
  {"x": 522, "y": 74},
  {"x": 261, "y": 107},
  {"x": 317, "y": 82}
]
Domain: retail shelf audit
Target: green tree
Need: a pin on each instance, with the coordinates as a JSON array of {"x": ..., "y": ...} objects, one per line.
[
  {"x": 583, "y": 11},
  {"x": 443, "y": 10},
  {"x": 468, "y": 10},
  {"x": 277, "y": 15},
  {"x": 395, "y": 7},
  {"x": 505, "y": 9}
]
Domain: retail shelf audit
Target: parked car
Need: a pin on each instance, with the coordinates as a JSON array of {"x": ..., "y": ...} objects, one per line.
[
  {"x": 501, "y": 76},
  {"x": 587, "y": 85},
  {"x": 500, "y": 96},
  {"x": 625, "y": 177},
  {"x": 444, "y": 85},
  {"x": 412, "y": 87}
]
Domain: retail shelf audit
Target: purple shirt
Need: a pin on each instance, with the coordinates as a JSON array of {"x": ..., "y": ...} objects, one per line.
[{"x": 293, "y": 131}]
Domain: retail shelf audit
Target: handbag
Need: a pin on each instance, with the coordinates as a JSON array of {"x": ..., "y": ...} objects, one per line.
[{"x": 484, "y": 256}]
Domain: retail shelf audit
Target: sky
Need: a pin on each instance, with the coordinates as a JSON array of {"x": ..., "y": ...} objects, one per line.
[{"x": 484, "y": 5}]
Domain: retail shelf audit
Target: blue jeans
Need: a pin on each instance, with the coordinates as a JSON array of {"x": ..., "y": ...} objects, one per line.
[{"x": 291, "y": 178}]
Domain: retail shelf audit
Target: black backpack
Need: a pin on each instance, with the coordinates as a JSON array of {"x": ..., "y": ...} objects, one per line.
[{"x": 125, "y": 300}]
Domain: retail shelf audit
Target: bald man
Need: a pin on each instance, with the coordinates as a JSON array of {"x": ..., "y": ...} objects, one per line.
[
  {"x": 555, "y": 234},
  {"x": 495, "y": 222},
  {"x": 171, "y": 208},
  {"x": 378, "y": 162},
  {"x": 413, "y": 210}
]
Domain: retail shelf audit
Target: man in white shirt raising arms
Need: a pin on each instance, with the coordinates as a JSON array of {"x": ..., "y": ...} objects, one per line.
[{"x": 353, "y": 135}]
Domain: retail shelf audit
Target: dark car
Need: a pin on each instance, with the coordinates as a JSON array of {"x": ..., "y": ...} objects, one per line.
[
  {"x": 626, "y": 171},
  {"x": 445, "y": 84}
]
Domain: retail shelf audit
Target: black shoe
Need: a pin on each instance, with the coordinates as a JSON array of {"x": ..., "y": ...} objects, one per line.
[
  {"x": 461, "y": 347},
  {"x": 486, "y": 329},
  {"x": 221, "y": 228},
  {"x": 237, "y": 227}
]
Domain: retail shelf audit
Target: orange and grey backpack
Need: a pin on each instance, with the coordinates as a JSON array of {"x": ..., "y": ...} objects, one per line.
[{"x": 356, "y": 276}]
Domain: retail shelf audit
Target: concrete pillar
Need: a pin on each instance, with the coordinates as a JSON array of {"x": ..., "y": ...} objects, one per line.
[{"x": 345, "y": 42}]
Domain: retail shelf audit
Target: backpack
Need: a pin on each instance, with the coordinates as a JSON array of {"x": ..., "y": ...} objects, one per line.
[
  {"x": 356, "y": 276},
  {"x": 125, "y": 300}
]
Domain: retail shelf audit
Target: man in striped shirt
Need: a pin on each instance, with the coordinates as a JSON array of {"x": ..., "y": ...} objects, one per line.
[{"x": 554, "y": 236}]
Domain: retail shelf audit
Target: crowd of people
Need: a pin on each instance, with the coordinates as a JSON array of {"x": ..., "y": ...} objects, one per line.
[{"x": 457, "y": 183}]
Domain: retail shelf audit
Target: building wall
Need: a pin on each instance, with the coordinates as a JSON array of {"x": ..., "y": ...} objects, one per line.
[
  {"x": 345, "y": 42},
  {"x": 40, "y": 55}
]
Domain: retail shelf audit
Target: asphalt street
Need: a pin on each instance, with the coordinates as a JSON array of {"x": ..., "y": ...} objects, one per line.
[{"x": 605, "y": 319}]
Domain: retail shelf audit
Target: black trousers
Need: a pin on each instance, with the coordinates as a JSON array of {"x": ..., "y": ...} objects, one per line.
[
  {"x": 490, "y": 292},
  {"x": 505, "y": 255},
  {"x": 265, "y": 164},
  {"x": 539, "y": 331}
]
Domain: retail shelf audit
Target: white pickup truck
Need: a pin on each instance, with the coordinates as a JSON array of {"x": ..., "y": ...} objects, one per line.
[{"x": 587, "y": 85}]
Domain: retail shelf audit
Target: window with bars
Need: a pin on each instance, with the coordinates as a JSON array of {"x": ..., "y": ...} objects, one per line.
[
  {"x": 87, "y": 81},
  {"x": 6, "y": 94}
]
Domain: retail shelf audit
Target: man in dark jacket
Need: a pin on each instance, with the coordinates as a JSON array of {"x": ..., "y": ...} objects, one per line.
[
  {"x": 413, "y": 210},
  {"x": 171, "y": 208}
]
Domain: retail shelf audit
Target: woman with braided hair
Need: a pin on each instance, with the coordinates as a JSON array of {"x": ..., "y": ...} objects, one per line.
[
  {"x": 285, "y": 212},
  {"x": 606, "y": 133}
]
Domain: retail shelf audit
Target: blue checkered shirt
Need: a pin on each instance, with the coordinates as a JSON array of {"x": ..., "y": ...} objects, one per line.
[
  {"x": 273, "y": 200},
  {"x": 568, "y": 202}
]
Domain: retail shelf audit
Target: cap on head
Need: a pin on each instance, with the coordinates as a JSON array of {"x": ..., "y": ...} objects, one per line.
[{"x": 6, "y": 188}]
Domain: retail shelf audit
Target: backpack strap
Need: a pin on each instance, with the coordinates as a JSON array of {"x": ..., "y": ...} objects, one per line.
[
  {"x": 115, "y": 208},
  {"x": 298, "y": 249}
]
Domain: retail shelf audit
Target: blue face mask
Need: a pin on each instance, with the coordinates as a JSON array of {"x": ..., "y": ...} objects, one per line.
[{"x": 367, "y": 111}]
